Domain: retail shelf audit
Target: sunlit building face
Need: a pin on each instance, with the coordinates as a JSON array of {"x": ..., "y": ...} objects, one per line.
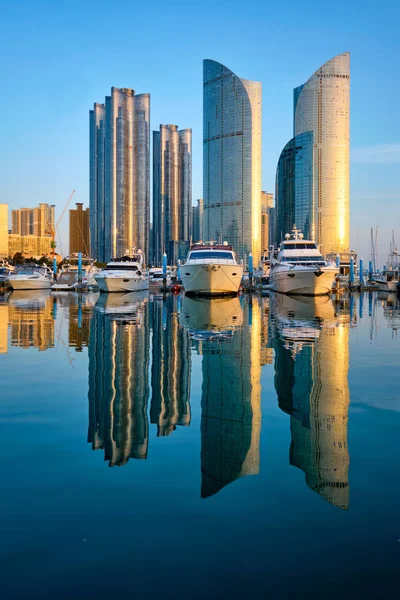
[
  {"x": 322, "y": 106},
  {"x": 231, "y": 159}
]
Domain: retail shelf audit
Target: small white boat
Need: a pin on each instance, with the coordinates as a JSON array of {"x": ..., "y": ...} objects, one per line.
[
  {"x": 5, "y": 272},
  {"x": 389, "y": 280},
  {"x": 67, "y": 281},
  {"x": 156, "y": 278},
  {"x": 31, "y": 277},
  {"x": 211, "y": 269},
  {"x": 300, "y": 268},
  {"x": 125, "y": 274}
]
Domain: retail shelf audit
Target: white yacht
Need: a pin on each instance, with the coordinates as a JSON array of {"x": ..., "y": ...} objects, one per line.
[
  {"x": 211, "y": 269},
  {"x": 389, "y": 280},
  {"x": 31, "y": 277},
  {"x": 300, "y": 268},
  {"x": 125, "y": 274},
  {"x": 70, "y": 282}
]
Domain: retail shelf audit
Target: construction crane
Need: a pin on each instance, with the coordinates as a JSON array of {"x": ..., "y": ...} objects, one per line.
[{"x": 53, "y": 230}]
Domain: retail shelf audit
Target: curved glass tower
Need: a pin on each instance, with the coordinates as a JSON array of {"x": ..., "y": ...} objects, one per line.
[
  {"x": 231, "y": 160},
  {"x": 322, "y": 106}
]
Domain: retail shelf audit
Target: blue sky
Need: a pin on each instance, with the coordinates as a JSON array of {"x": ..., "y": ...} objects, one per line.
[{"x": 60, "y": 57}]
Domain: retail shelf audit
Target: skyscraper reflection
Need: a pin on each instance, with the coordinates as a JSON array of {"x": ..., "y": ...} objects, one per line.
[
  {"x": 31, "y": 318},
  {"x": 230, "y": 403},
  {"x": 311, "y": 366},
  {"x": 3, "y": 327},
  {"x": 118, "y": 377},
  {"x": 171, "y": 366}
]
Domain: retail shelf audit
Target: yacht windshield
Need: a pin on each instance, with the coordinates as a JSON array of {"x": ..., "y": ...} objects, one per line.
[
  {"x": 299, "y": 246},
  {"x": 201, "y": 254},
  {"x": 125, "y": 267},
  {"x": 315, "y": 260},
  {"x": 29, "y": 270}
]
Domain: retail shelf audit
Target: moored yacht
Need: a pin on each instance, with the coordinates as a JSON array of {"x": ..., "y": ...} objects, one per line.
[
  {"x": 125, "y": 274},
  {"x": 211, "y": 269},
  {"x": 389, "y": 280},
  {"x": 31, "y": 277},
  {"x": 300, "y": 268}
]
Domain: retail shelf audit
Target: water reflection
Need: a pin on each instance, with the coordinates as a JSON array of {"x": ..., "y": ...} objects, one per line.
[
  {"x": 230, "y": 401},
  {"x": 30, "y": 315},
  {"x": 118, "y": 377},
  {"x": 171, "y": 367},
  {"x": 140, "y": 366},
  {"x": 311, "y": 367}
]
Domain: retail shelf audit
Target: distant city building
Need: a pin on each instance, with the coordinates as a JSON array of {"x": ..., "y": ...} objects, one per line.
[
  {"x": 43, "y": 220},
  {"x": 267, "y": 202},
  {"x": 272, "y": 226},
  {"x": 38, "y": 221},
  {"x": 120, "y": 174},
  {"x": 29, "y": 245},
  {"x": 79, "y": 233},
  {"x": 172, "y": 192},
  {"x": 313, "y": 175},
  {"x": 3, "y": 230},
  {"x": 197, "y": 221},
  {"x": 231, "y": 160}
]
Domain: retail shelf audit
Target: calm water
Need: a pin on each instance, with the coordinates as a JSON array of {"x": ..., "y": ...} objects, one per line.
[{"x": 253, "y": 445}]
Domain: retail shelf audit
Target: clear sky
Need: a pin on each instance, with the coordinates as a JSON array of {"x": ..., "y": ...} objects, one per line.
[{"x": 57, "y": 58}]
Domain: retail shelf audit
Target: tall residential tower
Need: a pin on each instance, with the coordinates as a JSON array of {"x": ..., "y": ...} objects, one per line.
[
  {"x": 119, "y": 174},
  {"x": 231, "y": 159},
  {"x": 172, "y": 192},
  {"x": 313, "y": 176}
]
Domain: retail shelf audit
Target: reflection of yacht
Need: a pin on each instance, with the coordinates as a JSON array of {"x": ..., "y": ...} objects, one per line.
[
  {"x": 301, "y": 269},
  {"x": 311, "y": 384},
  {"x": 122, "y": 306},
  {"x": 125, "y": 274},
  {"x": 29, "y": 299},
  {"x": 211, "y": 317},
  {"x": 31, "y": 277},
  {"x": 211, "y": 269}
]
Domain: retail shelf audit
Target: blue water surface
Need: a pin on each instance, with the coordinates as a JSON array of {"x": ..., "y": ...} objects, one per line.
[{"x": 188, "y": 448}]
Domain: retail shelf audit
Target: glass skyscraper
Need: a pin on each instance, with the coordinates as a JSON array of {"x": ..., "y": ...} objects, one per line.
[
  {"x": 294, "y": 191},
  {"x": 172, "y": 192},
  {"x": 317, "y": 198},
  {"x": 231, "y": 160},
  {"x": 120, "y": 174}
]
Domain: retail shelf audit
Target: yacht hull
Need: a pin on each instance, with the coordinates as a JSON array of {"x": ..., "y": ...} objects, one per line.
[
  {"x": 210, "y": 279},
  {"x": 123, "y": 284},
  {"x": 307, "y": 282},
  {"x": 27, "y": 283},
  {"x": 387, "y": 286}
]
